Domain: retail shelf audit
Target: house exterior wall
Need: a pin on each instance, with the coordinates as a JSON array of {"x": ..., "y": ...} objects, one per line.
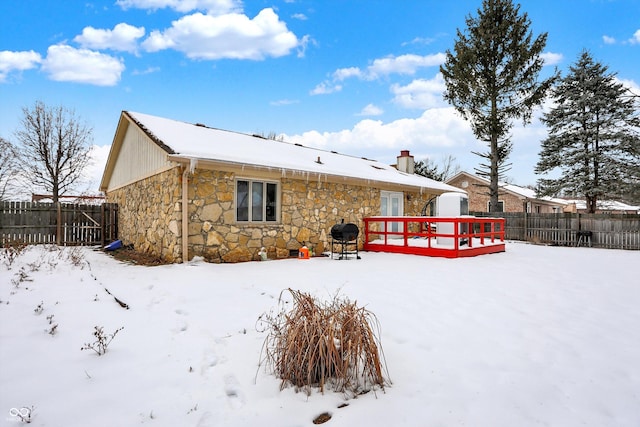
[
  {"x": 479, "y": 200},
  {"x": 308, "y": 210},
  {"x": 137, "y": 158},
  {"x": 150, "y": 215},
  {"x": 542, "y": 208}
]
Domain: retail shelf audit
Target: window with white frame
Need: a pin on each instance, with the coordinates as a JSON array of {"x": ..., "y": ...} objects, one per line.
[{"x": 256, "y": 201}]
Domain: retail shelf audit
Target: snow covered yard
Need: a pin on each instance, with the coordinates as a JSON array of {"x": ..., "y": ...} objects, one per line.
[{"x": 533, "y": 336}]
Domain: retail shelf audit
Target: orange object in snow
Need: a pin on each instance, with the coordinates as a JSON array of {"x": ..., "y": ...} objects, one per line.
[{"x": 303, "y": 253}]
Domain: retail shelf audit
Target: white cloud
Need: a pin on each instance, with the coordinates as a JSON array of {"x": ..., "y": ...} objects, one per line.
[
  {"x": 437, "y": 132},
  {"x": 148, "y": 70},
  {"x": 551, "y": 58},
  {"x": 303, "y": 43},
  {"x": 282, "y": 102},
  {"x": 226, "y": 36},
  {"x": 437, "y": 127},
  {"x": 371, "y": 110},
  {"x": 65, "y": 63},
  {"x": 420, "y": 93},
  {"x": 608, "y": 40},
  {"x": 420, "y": 40},
  {"x": 123, "y": 37},
  {"x": 17, "y": 61},
  {"x": 93, "y": 173},
  {"x": 344, "y": 73},
  {"x": 631, "y": 85},
  {"x": 403, "y": 64},
  {"x": 325, "y": 88},
  {"x": 214, "y": 7},
  {"x": 636, "y": 38},
  {"x": 300, "y": 16}
]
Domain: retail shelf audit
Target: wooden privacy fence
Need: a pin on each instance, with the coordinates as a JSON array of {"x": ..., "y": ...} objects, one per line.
[
  {"x": 619, "y": 231},
  {"x": 59, "y": 223}
]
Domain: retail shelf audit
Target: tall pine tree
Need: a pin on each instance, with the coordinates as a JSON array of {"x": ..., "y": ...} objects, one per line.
[
  {"x": 593, "y": 136},
  {"x": 491, "y": 79}
]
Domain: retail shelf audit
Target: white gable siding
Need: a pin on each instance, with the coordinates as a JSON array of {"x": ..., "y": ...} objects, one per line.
[{"x": 138, "y": 158}]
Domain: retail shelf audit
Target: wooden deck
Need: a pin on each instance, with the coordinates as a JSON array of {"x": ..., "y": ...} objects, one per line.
[{"x": 455, "y": 237}]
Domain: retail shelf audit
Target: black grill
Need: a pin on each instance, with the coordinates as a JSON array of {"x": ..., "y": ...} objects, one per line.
[{"x": 344, "y": 235}]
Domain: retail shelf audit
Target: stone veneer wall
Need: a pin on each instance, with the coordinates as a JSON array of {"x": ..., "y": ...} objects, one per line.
[
  {"x": 149, "y": 214},
  {"x": 308, "y": 211}
]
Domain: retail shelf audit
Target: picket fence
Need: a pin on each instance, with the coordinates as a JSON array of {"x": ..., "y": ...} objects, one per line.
[{"x": 611, "y": 231}]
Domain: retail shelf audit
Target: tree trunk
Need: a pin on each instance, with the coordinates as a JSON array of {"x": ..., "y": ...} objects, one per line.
[{"x": 55, "y": 193}]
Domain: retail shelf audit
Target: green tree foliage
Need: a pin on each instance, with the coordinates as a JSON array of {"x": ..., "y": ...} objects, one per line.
[
  {"x": 54, "y": 148},
  {"x": 491, "y": 79},
  {"x": 442, "y": 172},
  {"x": 593, "y": 136}
]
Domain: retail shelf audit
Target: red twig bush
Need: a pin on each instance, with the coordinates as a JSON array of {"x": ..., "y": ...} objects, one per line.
[{"x": 331, "y": 344}]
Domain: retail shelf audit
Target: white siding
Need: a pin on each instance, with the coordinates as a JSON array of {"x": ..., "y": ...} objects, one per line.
[{"x": 138, "y": 158}]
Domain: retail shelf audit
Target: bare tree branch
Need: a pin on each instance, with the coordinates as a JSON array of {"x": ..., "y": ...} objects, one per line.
[
  {"x": 8, "y": 168},
  {"x": 54, "y": 148}
]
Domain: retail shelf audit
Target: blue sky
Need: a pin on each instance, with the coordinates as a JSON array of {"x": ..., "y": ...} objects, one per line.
[{"x": 357, "y": 77}]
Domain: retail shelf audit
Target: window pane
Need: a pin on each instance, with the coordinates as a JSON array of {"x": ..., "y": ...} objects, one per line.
[
  {"x": 242, "y": 201},
  {"x": 271, "y": 202},
  {"x": 464, "y": 206},
  {"x": 394, "y": 212},
  {"x": 256, "y": 201}
]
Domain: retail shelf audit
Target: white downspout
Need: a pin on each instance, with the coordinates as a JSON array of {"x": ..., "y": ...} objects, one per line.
[{"x": 185, "y": 214}]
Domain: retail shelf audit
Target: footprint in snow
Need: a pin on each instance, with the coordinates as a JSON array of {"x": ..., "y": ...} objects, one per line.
[
  {"x": 209, "y": 362},
  {"x": 206, "y": 420},
  {"x": 232, "y": 390},
  {"x": 181, "y": 326}
]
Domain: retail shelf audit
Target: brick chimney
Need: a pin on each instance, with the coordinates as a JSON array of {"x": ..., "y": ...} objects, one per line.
[{"x": 405, "y": 162}]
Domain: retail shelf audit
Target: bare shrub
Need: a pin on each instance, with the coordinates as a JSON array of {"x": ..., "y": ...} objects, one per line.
[
  {"x": 39, "y": 308},
  {"x": 12, "y": 250},
  {"x": 102, "y": 341},
  {"x": 331, "y": 344},
  {"x": 20, "y": 277},
  {"x": 76, "y": 257},
  {"x": 53, "y": 327}
]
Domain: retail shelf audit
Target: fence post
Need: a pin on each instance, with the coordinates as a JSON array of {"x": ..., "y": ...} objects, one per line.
[
  {"x": 525, "y": 237},
  {"x": 58, "y": 224},
  {"x": 103, "y": 227}
]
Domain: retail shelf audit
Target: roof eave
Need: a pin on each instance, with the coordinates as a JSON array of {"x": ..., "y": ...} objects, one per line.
[{"x": 193, "y": 161}]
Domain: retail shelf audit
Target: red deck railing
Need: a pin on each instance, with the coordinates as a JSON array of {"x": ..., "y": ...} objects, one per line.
[{"x": 434, "y": 236}]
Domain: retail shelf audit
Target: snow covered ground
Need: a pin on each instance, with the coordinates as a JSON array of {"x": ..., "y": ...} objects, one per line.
[{"x": 532, "y": 336}]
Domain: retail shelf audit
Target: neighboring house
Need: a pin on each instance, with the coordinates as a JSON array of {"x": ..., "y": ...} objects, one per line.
[
  {"x": 512, "y": 198},
  {"x": 244, "y": 192},
  {"x": 602, "y": 207}
]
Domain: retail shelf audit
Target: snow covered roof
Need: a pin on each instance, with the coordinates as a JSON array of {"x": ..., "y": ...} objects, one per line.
[
  {"x": 530, "y": 194},
  {"x": 523, "y": 192},
  {"x": 186, "y": 141},
  {"x": 605, "y": 205}
]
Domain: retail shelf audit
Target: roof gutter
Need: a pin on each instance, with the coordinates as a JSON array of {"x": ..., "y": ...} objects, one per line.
[{"x": 191, "y": 161}]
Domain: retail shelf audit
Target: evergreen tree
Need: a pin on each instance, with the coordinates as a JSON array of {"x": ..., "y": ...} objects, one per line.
[
  {"x": 492, "y": 79},
  {"x": 593, "y": 136}
]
